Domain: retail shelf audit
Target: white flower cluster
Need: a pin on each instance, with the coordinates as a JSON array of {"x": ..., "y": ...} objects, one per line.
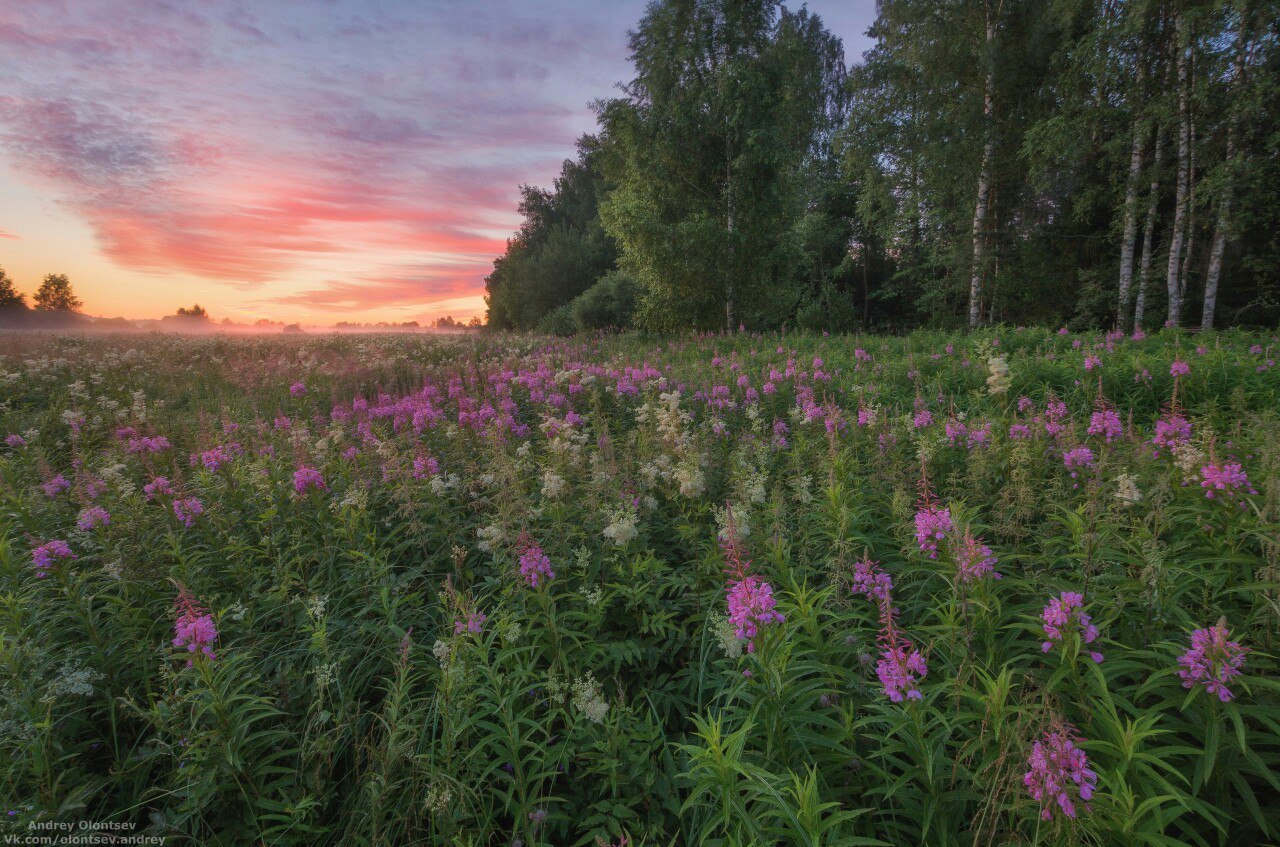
[
  {"x": 588, "y": 698},
  {"x": 623, "y": 526}
]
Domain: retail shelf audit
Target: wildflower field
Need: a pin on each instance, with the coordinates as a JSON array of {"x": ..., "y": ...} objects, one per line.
[{"x": 1012, "y": 587}]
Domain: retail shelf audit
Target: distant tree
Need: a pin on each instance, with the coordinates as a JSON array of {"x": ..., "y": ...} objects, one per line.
[
  {"x": 10, "y": 297},
  {"x": 197, "y": 311},
  {"x": 561, "y": 248},
  {"x": 476, "y": 322},
  {"x": 55, "y": 295},
  {"x": 447, "y": 322},
  {"x": 293, "y": 329}
]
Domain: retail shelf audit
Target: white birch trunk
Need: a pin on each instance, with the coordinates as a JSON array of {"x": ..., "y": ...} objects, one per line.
[
  {"x": 1173, "y": 282},
  {"x": 984, "y": 179}
]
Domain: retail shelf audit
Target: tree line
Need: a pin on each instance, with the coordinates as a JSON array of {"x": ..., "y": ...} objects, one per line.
[{"x": 1092, "y": 162}]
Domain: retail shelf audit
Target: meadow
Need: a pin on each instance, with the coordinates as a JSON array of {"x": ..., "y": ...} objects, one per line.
[{"x": 1018, "y": 586}]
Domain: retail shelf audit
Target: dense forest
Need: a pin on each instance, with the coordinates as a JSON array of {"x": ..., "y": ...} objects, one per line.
[{"x": 1091, "y": 162}]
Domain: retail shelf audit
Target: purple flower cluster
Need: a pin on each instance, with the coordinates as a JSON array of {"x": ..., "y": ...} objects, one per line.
[
  {"x": 194, "y": 629},
  {"x": 1172, "y": 431},
  {"x": 1229, "y": 479},
  {"x": 1213, "y": 660},
  {"x": 1059, "y": 775},
  {"x": 15, "y": 441},
  {"x": 535, "y": 566},
  {"x": 474, "y": 623},
  {"x": 900, "y": 668},
  {"x": 870, "y": 581},
  {"x": 53, "y": 487},
  {"x": 1106, "y": 422},
  {"x": 187, "y": 510},
  {"x": 93, "y": 516},
  {"x": 751, "y": 606},
  {"x": 933, "y": 523},
  {"x": 1077, "y": 457},
  {"x": 305, "y": 478},
  {"x": 974, "y": 560},
  {"x": 158, "y": 487},
  {"x": 1179, "y": 368},
  {"x": 147, "y": 444},
  {"x": 1065, "y": 616},
  {"x": 48, "y": 554}
]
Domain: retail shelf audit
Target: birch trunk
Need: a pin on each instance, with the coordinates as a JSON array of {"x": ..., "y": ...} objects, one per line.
[
  {"x": 1173, "y": 282},
  {"x": 1148, "y": 235},
  {"x": 984, "y": 179},
  {"x": 1223, "y": 223},
  {"x": 1131, "y": 209}
]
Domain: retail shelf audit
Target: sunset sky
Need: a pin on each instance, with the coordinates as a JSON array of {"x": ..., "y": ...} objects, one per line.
[{"x": 303, "y": 161}]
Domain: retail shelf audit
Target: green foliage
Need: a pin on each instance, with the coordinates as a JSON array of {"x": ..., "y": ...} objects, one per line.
[{"x": 349, "y": 703}]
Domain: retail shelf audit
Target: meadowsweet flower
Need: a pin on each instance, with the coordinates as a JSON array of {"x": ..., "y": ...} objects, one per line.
[
  {"x": 305, "y": 478},
  {"x": 1212, "y": 660},
  {"x": 535, "y": 566},
  {"x": 48, "y": 554},
  {"x": 933, "y": 523},
  {"x": 93, "y": 516},
  {"x": 1127, "y": 489},
  {"x": 1106, "y": 422},
  {"x": 588, "y": 698},
  {"x": 1179, "y": 368},
  {"x": 974, "y": 560},
  {"x": 1058, "y": 775},
  {"x": 1065, "y": 616},
  {"x": 187, "y": 510},
  {"x": 194, "y": 629},
  {"x": 1228, "y": 478},
  {"x": 998, "y": 375},
  {"x": 623, "y": 526}
]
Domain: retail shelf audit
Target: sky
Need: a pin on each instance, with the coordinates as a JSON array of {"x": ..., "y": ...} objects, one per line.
[{"x": 317, "y": 161}]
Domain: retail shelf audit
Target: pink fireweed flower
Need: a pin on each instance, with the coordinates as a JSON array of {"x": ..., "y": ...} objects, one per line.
[
  {"x": 305, "y": 478},
  {"x": 1172, "y": 431},
  {"x": 923, "y": 418},
  {"x": 425, "y": 467},
  {"x": 147, "y": 444},
  {"x": 1059, "y": 775},
  {"x": 900, "y": 668},
  {"x": 194, "y": 629},
  {"x": 93, "y": 516},
  {"x": 187, "y": 510},
  {"x": 55, "y": 486},
  {"x": 15, "y": 441},
  {"x": 751, "y": 606},
  {"x": 974, "y": 560},
  {"x": 1078, "y": 457},
  {"x": 871, "y": 582},
  {"x": 158, "y": 487},
  {"x": 473, "y": 624},
  {"x": 933, "y": 523},
  {"x": 1106, "y": 422},
  {"x": 48, "y": 554},
  {"x": 298, "y": 389},
  {"x": 535, "y": 566},
  {"x": 1213, "y": 660},
  {"x": 1065, "y": 616},
  {"x": 1179, "y": 368},
  {"x": 1229, "y": 479},
  {"x": 1091, "y": 362}
]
